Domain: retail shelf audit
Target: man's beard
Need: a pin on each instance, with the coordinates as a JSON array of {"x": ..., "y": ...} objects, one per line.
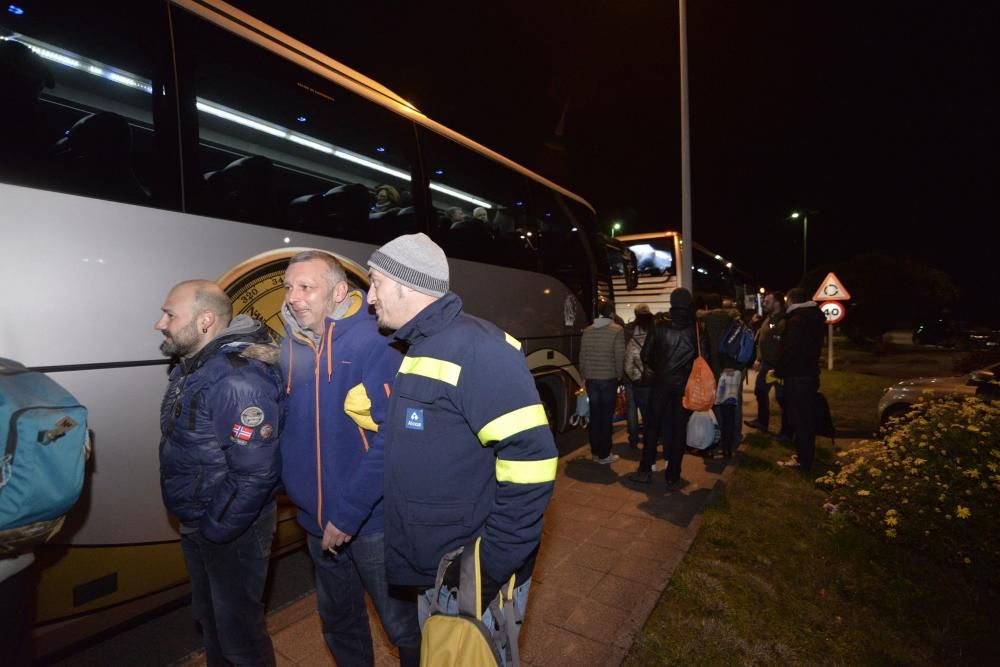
[{"x": 182, "y": 344}]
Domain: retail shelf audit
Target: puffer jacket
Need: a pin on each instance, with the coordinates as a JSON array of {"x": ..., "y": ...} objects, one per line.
[
  {"x": 337, "y": 389},
  {"x": 220, "y": 422},
  {"x": 670, "y": 351}
]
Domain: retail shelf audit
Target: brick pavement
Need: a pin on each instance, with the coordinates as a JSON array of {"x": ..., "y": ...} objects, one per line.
[{"x": 608, "y": 552}]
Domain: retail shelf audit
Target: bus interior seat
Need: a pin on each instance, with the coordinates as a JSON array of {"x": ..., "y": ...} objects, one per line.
[
  {"x": 243, "y": 190},
  {"x": 306, "y": 212},
  {"x": 95, "y": 158},
  {"x": 346, "y": 207}
]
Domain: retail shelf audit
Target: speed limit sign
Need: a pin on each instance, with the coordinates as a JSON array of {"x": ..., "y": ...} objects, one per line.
[{"x": 833, "y": 311}]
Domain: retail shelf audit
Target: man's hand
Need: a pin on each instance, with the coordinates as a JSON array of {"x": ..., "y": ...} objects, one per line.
[{"x": 334, "y": 537}]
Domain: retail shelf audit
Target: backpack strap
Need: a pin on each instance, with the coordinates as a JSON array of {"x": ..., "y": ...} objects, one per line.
[{"x": 470, "y": 588}]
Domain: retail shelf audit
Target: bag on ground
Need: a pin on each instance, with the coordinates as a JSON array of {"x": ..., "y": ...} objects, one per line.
[
  {"x": 699, "y": 392},
  {"x": 463, "y": 640},
  {"x": 703, "y": 430},
  {"x": 43, "y": 436}
]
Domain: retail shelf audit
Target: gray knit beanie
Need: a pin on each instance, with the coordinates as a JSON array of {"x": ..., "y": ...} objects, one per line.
[{"x": 415, "y": 261}]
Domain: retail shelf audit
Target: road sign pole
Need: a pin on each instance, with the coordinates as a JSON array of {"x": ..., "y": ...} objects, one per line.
[{"x": 829, "y": 349}]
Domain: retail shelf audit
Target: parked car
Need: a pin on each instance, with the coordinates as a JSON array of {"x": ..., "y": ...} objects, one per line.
[
  {"x": 900, "y": 397},
  {"x": 961, "y": 335}
]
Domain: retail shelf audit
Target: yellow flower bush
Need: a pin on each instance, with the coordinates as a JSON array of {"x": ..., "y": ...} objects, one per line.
[{"x": 931, "y": 482}]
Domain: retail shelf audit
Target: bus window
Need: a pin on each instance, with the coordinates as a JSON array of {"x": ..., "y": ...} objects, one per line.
[
  {"x": 82, "y": 102},
  {"x": 278, "y": 145},
  {"x": 480, "y": 207},
  {"x": 561, "y": 241}
]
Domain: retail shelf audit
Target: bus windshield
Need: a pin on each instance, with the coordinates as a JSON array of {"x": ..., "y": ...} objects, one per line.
[{"x": 655, "y": 257}]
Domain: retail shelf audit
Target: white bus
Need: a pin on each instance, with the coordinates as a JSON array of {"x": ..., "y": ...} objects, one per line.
[
  {"x": 166, "y": 140},
  {"x": 658, "y": 261}
]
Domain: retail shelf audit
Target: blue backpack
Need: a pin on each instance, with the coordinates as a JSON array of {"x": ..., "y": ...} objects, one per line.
[
  {"x": 737, "y": 343},
  {"x": 43, "y": 439}
]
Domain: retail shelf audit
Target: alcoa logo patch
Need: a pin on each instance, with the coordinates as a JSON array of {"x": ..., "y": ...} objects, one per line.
[{"x": 415, "y": 419}]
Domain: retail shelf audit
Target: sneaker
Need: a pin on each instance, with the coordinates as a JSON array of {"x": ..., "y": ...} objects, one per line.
[
  {"x": 788, "y": 463},
  {"x": 756, "y": 425},
  {"x": 641, "y": 477},
  {"x": 607, "y": 460},
  {"x": 676, "y": 485}
]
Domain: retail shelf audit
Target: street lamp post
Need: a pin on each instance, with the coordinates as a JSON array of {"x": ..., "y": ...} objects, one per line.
[
  {"x": 615, "y": 227},
  {"x": 805, "y": 237}
]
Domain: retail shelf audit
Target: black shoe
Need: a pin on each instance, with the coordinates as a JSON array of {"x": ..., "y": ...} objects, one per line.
[
  {"x": 676, "y": 485},
  {"x": 641, "y": 477},
  {"x": 756, "y": 425}
]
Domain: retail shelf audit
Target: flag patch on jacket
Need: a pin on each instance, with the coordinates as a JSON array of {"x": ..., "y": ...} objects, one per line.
[{"x": 242, "y": 432}]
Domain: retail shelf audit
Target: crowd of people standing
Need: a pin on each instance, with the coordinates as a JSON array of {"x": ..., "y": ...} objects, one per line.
[{"x": 651, "y": 359}]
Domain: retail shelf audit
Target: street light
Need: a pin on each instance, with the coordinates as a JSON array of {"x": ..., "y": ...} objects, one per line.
[
  {"x": 615, "y": 227},
  {"x": 805, "y": 234}
]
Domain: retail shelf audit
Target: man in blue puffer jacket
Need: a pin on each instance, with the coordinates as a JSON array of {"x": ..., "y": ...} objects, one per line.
[
  {"x": 338, "y": 372},
  {"x": 219, "y": 465}
]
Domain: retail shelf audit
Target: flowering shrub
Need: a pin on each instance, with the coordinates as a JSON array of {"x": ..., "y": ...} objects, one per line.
[{"x": 932, "y": 482}]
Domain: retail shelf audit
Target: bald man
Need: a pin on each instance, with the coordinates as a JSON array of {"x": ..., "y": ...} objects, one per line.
[{"x": 219, "y": 464}]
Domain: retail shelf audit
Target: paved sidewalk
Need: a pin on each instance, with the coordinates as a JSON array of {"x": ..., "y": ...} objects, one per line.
[{"x": 609, "y": 549}]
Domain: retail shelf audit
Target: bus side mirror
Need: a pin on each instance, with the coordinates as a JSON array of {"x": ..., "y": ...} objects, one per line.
[{"x": 631, "y": 269}]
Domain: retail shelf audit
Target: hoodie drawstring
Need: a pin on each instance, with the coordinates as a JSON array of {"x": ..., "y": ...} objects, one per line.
[
  {"x": 291, "y": 353},
  {"x": 329, "y": 354}
]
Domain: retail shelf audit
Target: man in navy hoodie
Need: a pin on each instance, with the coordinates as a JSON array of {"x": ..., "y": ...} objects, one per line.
[{"x": 338, "y": 371}]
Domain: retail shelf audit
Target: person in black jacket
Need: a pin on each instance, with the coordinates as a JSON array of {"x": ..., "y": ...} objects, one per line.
[
  {"x": 798, "y": 367},
  {"x": 670, "y": 353},
  {"x": 219, "y": 465}
]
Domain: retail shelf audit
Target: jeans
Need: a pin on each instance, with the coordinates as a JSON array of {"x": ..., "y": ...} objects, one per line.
[
  {"x": 16, "y": 592},
  {"x": 449, "y": 603},
  {"x": 602, "y": 394},
  {"x": 637, "y": 398},
  {"x": 800, "y": 401},
  {"x": 730, "y": 426},
  {"x": 667, "y": 416},
  {"x": 227, "y": 589},
  {"x": 341, "y": 582},
  {"x": 762, "y": 390}
]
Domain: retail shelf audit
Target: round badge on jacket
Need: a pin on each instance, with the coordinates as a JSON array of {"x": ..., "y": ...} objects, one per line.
[{"x": 252, "y": 416}]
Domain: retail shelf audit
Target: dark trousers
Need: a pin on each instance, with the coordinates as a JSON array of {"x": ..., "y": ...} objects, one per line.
[
  {"x": 227, "y": 590},
  {"x": 800, "y": 402},
  {"x": 730, "y": 428},
  {"x": 762, "y": 390},
  {"x": 341, "y": 582},
  {"x": 602, "y": 394},
  {"x": 668, "y": 417},
  {"x": 637, "y": 397},
  {"x": 16, "y": 592}
]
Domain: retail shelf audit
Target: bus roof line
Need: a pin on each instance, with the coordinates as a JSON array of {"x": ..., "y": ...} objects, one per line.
[{"x": 227, "y": 17}]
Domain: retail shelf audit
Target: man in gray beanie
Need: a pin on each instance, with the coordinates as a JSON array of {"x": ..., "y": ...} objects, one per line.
[{"x": 468, "y": 451}]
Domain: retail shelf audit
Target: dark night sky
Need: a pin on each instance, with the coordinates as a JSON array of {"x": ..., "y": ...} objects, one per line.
[{"x": 882, "y": 116}]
